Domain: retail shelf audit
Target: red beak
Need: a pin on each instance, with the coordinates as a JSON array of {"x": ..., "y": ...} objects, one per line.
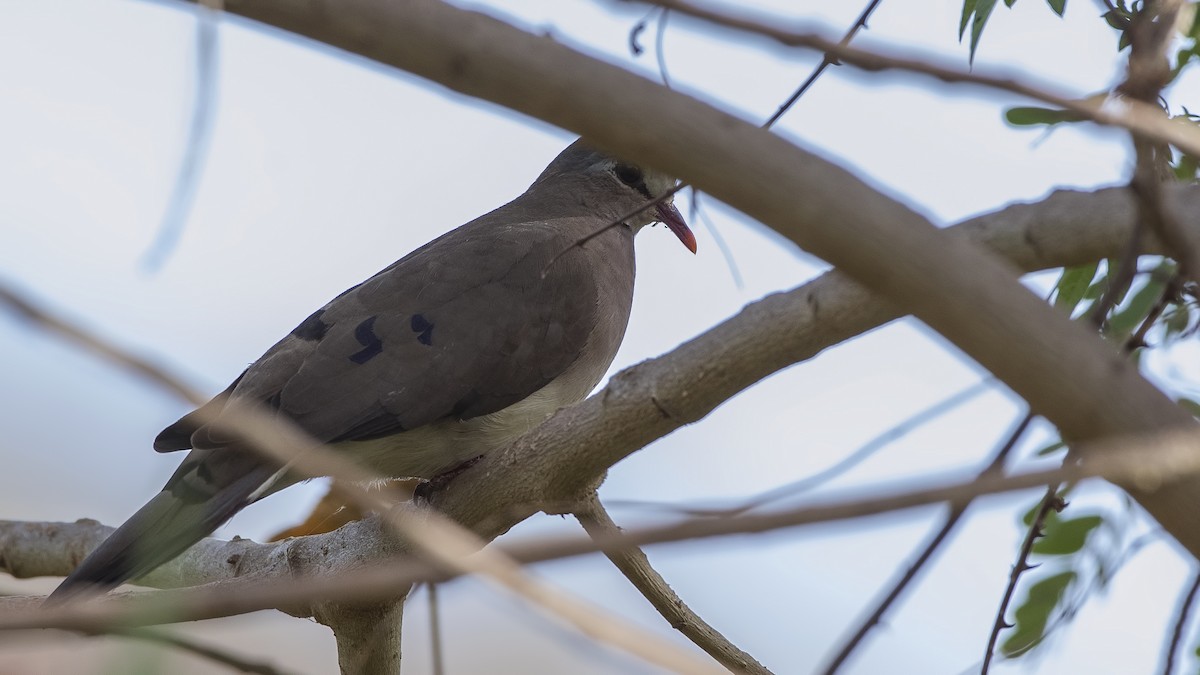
[{"x": 669, "y": 215}]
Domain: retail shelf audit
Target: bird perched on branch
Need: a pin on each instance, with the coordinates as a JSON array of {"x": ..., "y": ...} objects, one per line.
[{"x": 455, "y": 349}]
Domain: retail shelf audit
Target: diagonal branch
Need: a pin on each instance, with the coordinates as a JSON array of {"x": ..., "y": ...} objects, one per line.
[
  {"x": 826, "y": 60},
  {"x": 634, "y": 564},
  {"x": 221, "y": 656},
  {"x": 951, "y": 521},
  {"x": 1050, "y": 501},
  {"x": 1186, "y": 600},
  {"x": 30, "y": 310}
]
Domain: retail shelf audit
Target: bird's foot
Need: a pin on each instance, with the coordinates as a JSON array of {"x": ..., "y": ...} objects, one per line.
[{"x": 426, "y": 489}]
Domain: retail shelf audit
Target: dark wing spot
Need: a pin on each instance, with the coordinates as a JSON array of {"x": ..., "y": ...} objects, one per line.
[
  {"x": 313, "y": 328},
  {"x": 423, "y": 328},
  {"x": 372, "y": 345}
]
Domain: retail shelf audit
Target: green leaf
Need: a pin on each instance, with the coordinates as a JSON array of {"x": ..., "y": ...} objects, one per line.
[
  {"x": 1049, "y": 450},
  {"x": 1117, "y": 19},
  {"x": 1123, "y": 323},
  {"x": 1190, "y": 406},
  {"x": 1071, "y": 286},
  {"x": 1183, "y": 56},
  {"x": 1098, "y": 289},
  {"x": 982, "y": 11},
  {"x": 1064, "y": 537},
  {"x": 968, "y": 10},
  {"x": 1186, "y": 168},
  {"x": 1057, "y": 6},
  {"x": 1177, "y": 320},
  {"x": 1009, "y": 3},
  {"x": 1033, "y": 615},
  {"x": 1025, "y": 116}
]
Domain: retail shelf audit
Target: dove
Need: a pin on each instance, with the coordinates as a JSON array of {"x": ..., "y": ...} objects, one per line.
[{"x": 457, "y": 348}]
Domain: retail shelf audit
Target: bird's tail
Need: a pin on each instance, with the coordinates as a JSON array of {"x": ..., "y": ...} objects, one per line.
[{"x": 166, "y": 526}]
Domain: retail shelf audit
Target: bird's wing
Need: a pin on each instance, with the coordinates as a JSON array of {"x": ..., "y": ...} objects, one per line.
[{"x": 458, "y": 330}]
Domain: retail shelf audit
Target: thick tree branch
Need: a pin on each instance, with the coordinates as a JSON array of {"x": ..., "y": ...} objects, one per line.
[
  {"x": 1151, "y": 34},
  {"x": 1146, "y": 461},
  {"x": 368, "y": 635},
  {"x": 634, "y": 564},
  {"x": 430, "y": 536},
  {"x": 1066, "y": 373}
]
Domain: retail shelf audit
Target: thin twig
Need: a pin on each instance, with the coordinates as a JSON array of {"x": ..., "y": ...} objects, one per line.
[
  {"x": 181, "y": 643},
  {"x": 1186, "y": 601},
  {"x": 436, "y": 648},
  {"x": 701, "y": 214},
  {"x": 993, "y": 468},
  {"x": 616, "y": 222},
  {"x": 29, "y": 310},
  {"x": 1051, "y": 501},
  {"x": 1119, "y": 561},
  {"x": 660, "y": 50},
  {"x": 826, "y": 61},
  {"x": 199, "y": 138},
  {"x": 810, "y": 482},
  {"x": 1145, "y": 120},
  {"x": 633, "y": 563}
]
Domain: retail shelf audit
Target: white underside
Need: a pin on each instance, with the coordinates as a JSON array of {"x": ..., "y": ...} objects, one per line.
[{"x": 435, "y": 448}]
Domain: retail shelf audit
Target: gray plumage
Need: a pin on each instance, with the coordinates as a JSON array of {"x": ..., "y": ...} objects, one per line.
[{"x": 455, "y": 349}]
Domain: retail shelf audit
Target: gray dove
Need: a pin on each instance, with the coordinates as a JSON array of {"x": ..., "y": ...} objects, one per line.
[{"x": 460, "y": 346}]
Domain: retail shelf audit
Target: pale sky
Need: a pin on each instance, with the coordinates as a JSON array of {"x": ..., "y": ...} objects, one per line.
[{"x": 323, "y": 169}]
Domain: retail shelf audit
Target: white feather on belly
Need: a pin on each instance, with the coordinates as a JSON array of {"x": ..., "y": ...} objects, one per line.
[{"x": 435, "y": 448}]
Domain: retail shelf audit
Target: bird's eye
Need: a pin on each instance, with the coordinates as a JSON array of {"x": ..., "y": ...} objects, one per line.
[{"x": 629, "y": 175}]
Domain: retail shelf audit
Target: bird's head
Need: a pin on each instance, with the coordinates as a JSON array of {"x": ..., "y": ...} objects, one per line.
[{"x": 624, "y": 185}]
